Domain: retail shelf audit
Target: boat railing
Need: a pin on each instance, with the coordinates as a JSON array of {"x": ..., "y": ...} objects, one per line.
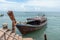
[{"x": 3, "y": 37}]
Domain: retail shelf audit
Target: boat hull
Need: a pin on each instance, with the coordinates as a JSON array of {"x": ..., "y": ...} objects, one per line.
[{"x": 24, "y": 29}]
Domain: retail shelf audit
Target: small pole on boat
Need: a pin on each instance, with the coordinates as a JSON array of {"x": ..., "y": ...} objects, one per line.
[
  {"x": 45, "y": 37},
  {"x": 10, "y": 14}
]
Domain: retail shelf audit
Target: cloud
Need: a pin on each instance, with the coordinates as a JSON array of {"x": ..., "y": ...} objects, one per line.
[
  {"x": 30, "y": 5},
  {"x": 43, "y": 3},
  {"x": 37, "y": 5},
  {"x": 2, "y": 0},
  {"x": 8, "y": 5},
  {"x": 5, "y": 1}
]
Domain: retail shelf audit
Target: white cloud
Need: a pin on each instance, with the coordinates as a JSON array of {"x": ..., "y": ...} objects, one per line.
[
  {"x": 2, "y": 0},
  {"x": 31, "y": 5},
  {"x": 37, "y": 5},
  {"x": 43, "y": 3},
  {"x": 10, "y": 6},
  {"x": 7, "y": 5}
]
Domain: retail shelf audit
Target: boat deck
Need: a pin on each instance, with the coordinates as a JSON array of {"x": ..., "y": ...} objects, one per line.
[{"x": 6, "y": 34}]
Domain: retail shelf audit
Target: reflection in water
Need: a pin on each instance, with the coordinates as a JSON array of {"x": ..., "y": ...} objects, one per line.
[{"x": 36, "y": 34}]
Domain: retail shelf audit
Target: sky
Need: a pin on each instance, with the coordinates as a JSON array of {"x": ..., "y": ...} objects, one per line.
[{"x": 30, "y": 5}]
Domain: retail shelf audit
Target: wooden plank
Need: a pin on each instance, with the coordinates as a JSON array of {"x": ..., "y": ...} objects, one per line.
[
  {"x": 27, "y": 39},
  {"x": 2, "y": 31},
  {"x": 8, "y": 34},
  {"x": 11, "y": 37},
  {"x": 18, "y": 37}
]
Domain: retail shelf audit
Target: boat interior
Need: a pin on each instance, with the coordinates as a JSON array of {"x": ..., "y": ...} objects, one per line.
[{"x": 35, "y": 22}]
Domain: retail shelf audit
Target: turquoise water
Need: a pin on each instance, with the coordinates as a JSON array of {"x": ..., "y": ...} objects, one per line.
[{"x": 52, "y": 29}]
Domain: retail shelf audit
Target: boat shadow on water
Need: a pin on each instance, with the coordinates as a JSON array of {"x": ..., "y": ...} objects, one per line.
[{"x": 36, "y": 35}]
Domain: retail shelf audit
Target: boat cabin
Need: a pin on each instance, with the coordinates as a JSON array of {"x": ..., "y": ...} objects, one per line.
[{"x": 36, "y": 21}]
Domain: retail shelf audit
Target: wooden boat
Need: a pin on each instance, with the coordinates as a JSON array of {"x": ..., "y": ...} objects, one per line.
[{"x": 32, "y": 24}]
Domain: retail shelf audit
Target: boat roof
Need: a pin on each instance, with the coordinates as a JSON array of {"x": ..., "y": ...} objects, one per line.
[{"x": 36, "y": 18}]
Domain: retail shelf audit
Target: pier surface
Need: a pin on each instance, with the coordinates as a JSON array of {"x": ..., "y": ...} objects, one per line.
[{"x": 6, "y": 34}]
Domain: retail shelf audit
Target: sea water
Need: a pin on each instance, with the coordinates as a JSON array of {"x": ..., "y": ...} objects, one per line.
[{"x": 52, "y": 29}]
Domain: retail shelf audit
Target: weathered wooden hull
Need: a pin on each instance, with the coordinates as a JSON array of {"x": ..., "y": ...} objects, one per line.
[{"x": 24, "y": 29}]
